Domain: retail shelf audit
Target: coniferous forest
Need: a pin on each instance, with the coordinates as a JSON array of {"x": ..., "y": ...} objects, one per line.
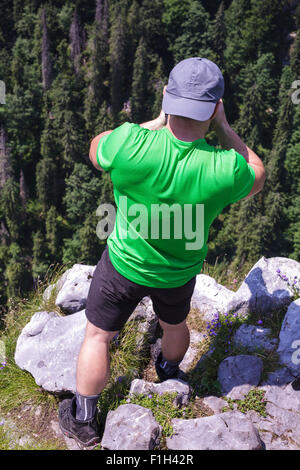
[{"x": 73, "y": 69}]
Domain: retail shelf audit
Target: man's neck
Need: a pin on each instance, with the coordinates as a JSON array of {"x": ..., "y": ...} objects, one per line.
[{"x": 187, "y": 130}]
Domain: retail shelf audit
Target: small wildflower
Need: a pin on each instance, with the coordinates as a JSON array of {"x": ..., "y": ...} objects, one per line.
[
  {"x": 259, "y": 322},
  {"x": 2, "y": 422},
  {"x": 150, "y": 396},
  {"x": 278, "y": 271}
]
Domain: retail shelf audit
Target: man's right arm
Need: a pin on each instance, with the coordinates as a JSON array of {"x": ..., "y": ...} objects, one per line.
[{"x": 229, "y": 139}]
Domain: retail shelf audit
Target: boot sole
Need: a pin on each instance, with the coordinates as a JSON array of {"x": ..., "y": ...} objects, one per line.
[{"x": 91, "y": 442}]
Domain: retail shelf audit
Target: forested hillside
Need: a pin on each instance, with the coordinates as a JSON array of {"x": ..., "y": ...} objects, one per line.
[{"x": 73, "y": 69}]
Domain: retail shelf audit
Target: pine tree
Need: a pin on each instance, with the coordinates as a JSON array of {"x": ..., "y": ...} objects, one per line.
[
  {"x": 39, "y": 262},
  {"x": 82, "y": 191},
  {"x": 17, "y": 272},
  {"x": 46, "y": 174},
  {"x": 11, "y": 208},
  {"x": 77, "y": 41},
  {"x": 118, "y": 61},
  {"x": 52, "y": 234},
  {"x": 97, "y": 67},
  {"x": 139, "y": 94},
  {"x": 194, "y": 38},
  {"x": 158, "y": 80},
  {"x": 66, "y": 94},
  {"x": 218, "y": 36},
  {"x": 5, "y": 165},
  {"x": 24, "y": 192},
  {"x": 46, "y": 57}
]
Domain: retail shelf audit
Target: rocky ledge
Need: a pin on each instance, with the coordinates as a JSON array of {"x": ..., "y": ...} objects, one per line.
[{"x": 49, "y": 344}]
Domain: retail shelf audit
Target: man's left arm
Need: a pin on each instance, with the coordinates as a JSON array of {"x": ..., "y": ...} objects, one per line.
[
  {"x": 93, "y": 149},
  {"x": 154, "y": 125}
]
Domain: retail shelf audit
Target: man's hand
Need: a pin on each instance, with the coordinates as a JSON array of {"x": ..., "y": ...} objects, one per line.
[
  {"x": 162, "y": 118},
  {"x": 230, "y": 140},
  {"x": 157, "y": 123},
  {"x": 219, "y": 119}
]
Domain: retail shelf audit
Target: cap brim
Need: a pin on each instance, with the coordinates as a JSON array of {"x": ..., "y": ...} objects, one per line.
[{"x": 186, "y": 107}]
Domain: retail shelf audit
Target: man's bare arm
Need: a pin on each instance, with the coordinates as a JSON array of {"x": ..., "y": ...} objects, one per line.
[
  {"x": 157, "y": 123},
  {"x": 93, "y": 149},
  {"x": 229, "y": 139}
]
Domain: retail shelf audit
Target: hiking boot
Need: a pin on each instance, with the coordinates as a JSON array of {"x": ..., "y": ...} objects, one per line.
[
  {"x": 85, "y": 433},
  {"x": 177, "y": 374}
]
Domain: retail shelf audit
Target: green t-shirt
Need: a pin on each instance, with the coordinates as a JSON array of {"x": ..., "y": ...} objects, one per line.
[{"x": 167, "y": 192}]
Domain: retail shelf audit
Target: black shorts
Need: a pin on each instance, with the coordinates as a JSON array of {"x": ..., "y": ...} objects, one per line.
[{"x": 112, "y": 298}]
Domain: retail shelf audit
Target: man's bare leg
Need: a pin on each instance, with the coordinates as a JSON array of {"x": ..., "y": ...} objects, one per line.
[
  {"x": 175, "y": 341},
  {"x": 93, "y": 365}
]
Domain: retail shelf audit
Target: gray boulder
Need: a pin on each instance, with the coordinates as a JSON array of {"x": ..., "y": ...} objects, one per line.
[
  {"x": 73, "y": 288},
  {"x": 279, "y": 377},
  {"x": 48, "y": 347},
  {"x": 209, "y": 297},
  {"x": 239, "y": 370},
  {"x": 226, "y": 431},
  {"x": 289, "y": 338},
  {"x": 264, "y": 289},
  {"x": 214, "y": 403},
  {"x": 288, "y": 421},
  {"x": 254, "y": 337},
  {"x": 131, "y": 427},
  {"x": 139, "y": 386},
  {"x": 144, "y": 312},
  {"x": 272, "y": 432},
  {"x": 287, "y": 397},
  {"x": 239, "y": 392}
]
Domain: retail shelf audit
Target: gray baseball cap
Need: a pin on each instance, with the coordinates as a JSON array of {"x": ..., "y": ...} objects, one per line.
[{"x": 195, "y": 85}]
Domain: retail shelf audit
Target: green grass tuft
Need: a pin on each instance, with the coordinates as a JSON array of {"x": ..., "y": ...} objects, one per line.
[{"x": 254, "y": 400}]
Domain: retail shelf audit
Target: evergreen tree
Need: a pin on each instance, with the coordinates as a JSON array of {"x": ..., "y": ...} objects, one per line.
[
  {"x": 46, "y": 57},
  {"x": 158, "y": 80},
  {"x": 46, "y": 174},
  {"x": 17, "y": 272},
  {"x": 82, "y": 192},
  {"x": 139, "y": 94},
  {"x": 39, "y": 251},
  {"x": 194, "y": 38},
  {"x": 118, "y": 61},
  {"x": 77, "y": 41},
  {"x": 52, "y": 235},
  {"x": 218, "y": 36},
  {"x": 97, "y": 67},
  {"x": 5, "y": 165},
  {"x": 11, "y": 208},
  {"x": 24, "y": 193}
]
